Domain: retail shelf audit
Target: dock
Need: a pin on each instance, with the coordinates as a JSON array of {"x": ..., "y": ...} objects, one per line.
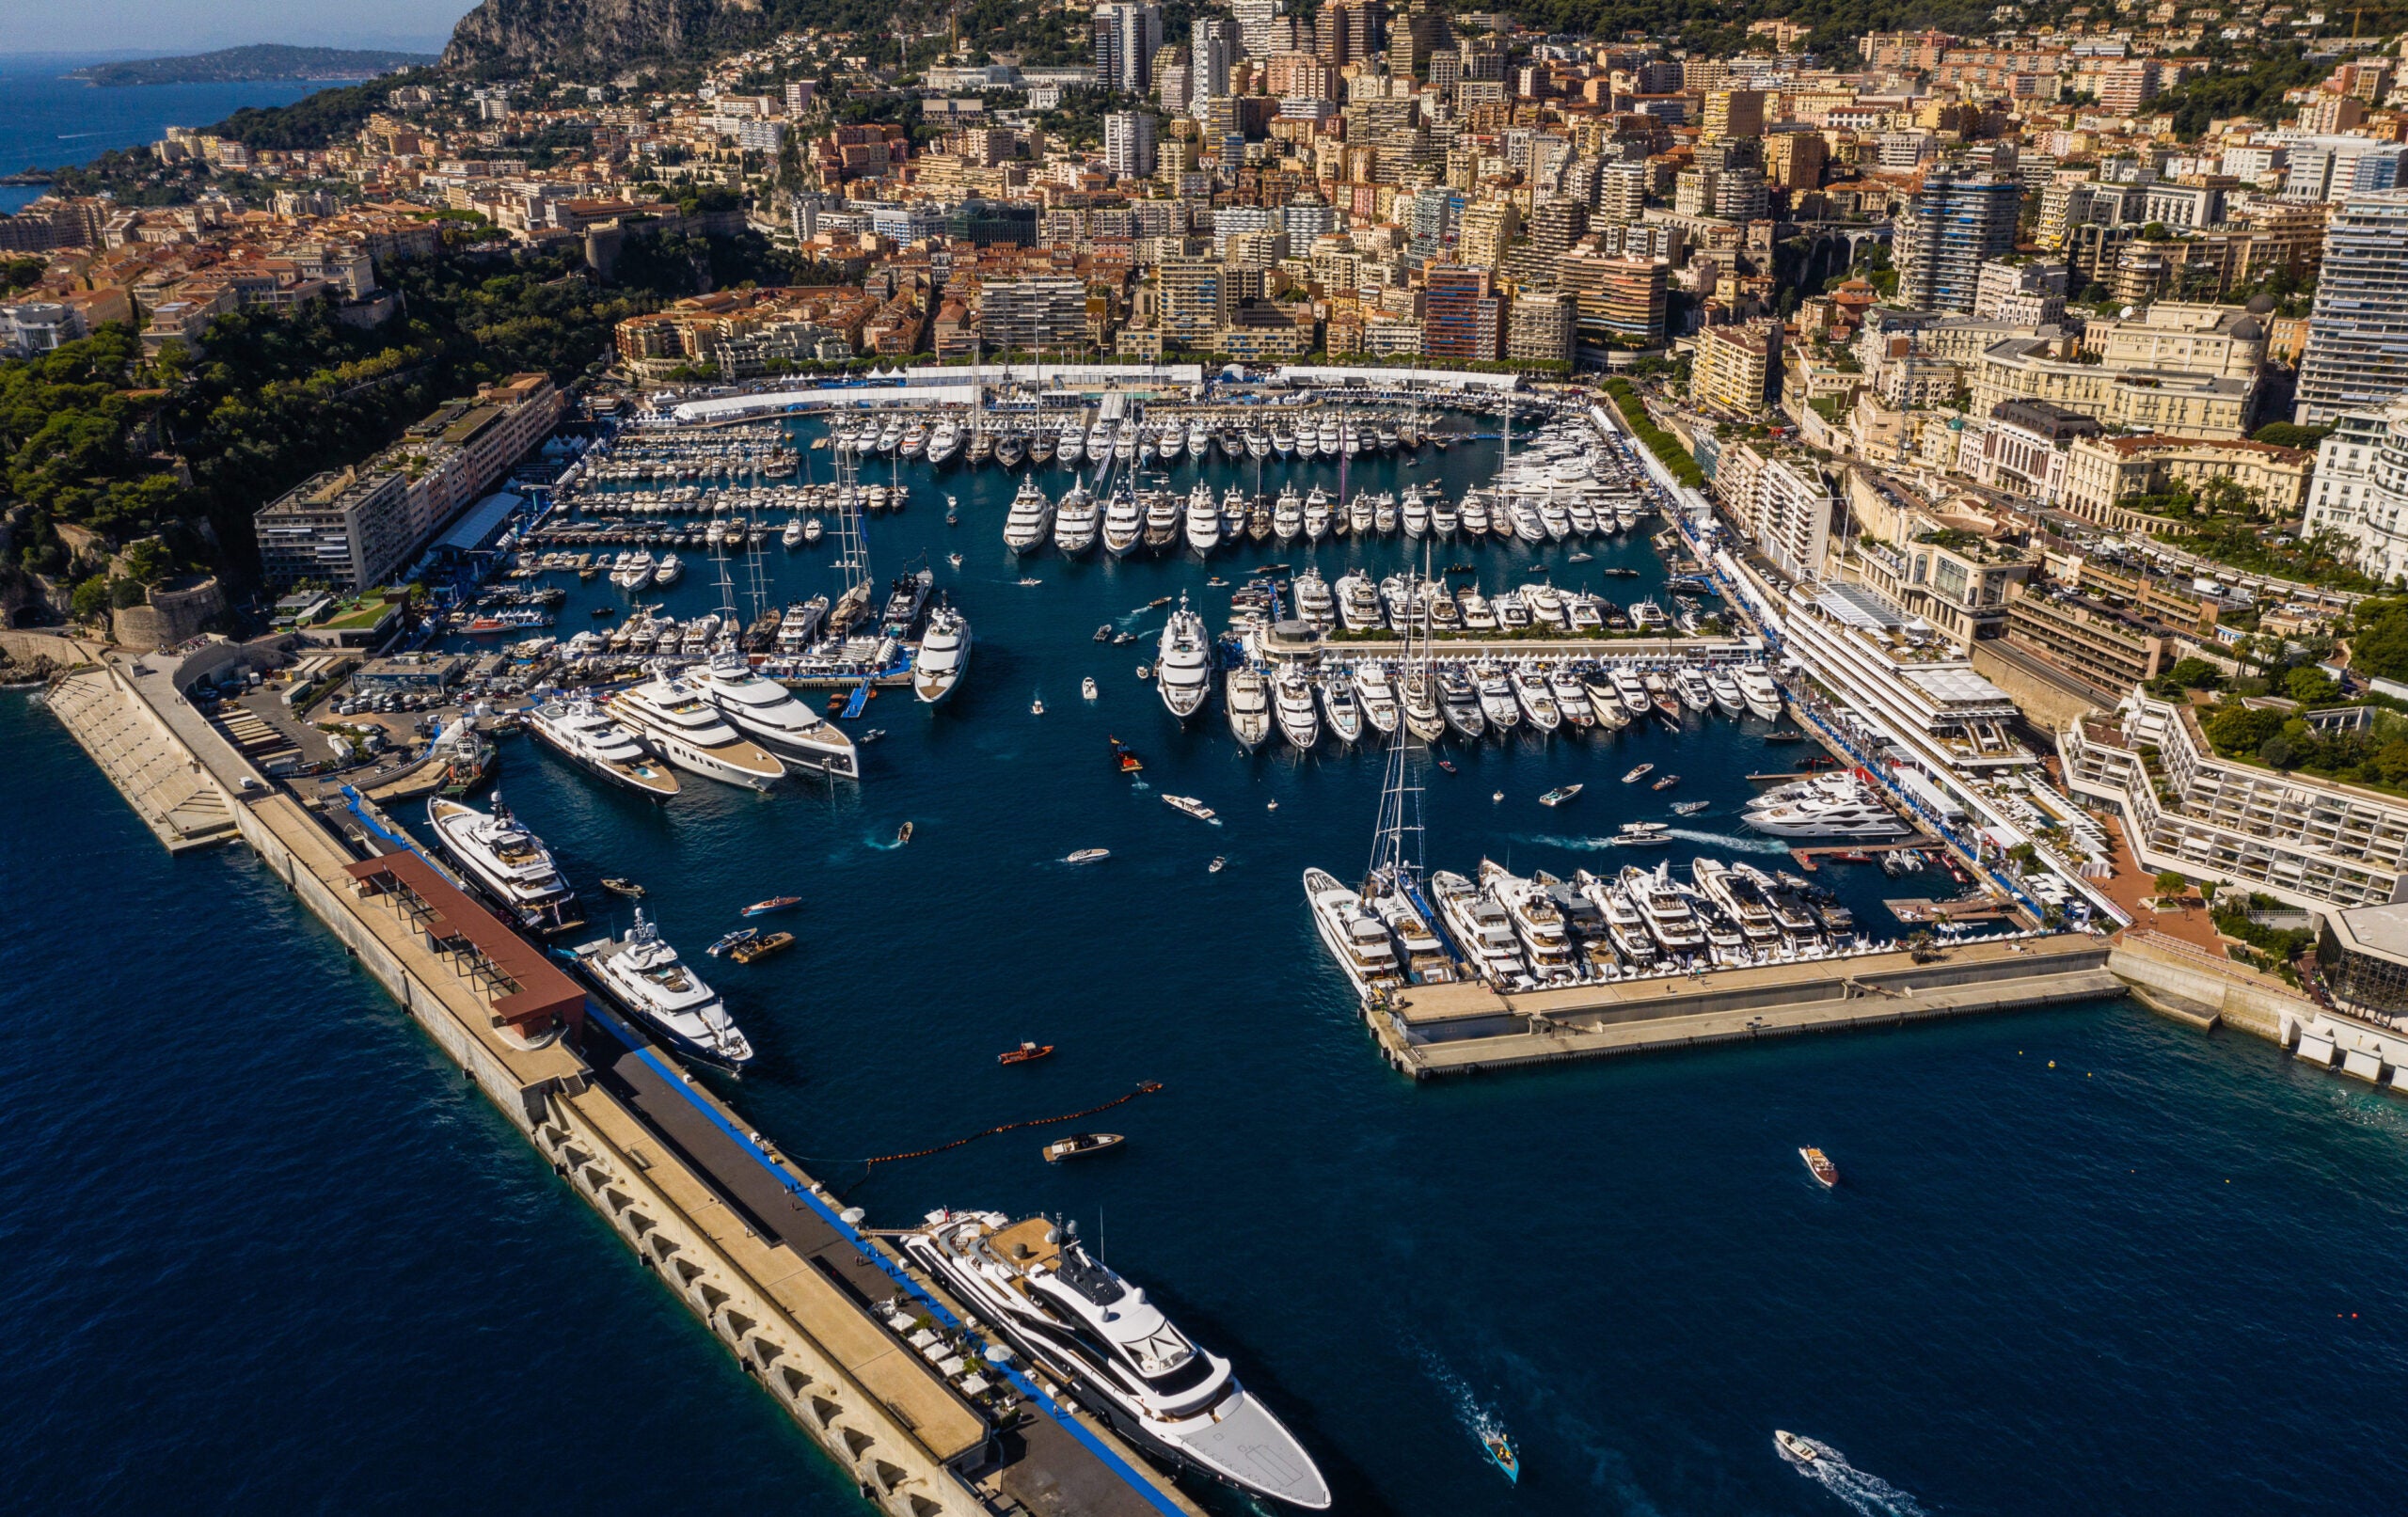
[
  {"x": 757, "y": 1250},
  {"x": 1426, "y": 1031},
  {"x": 1914, "y": 842}
]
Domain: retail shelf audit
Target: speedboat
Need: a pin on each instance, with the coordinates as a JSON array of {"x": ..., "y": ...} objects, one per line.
[
  {"x": 643, "y": 977},
  {"x": 507, "y": 863},
  {"x": 768, "y": 713},
  {"x": 1183, "y": 662},
  {"x": 692, "y": 732},
  {"x": 1292, "y": 701},
  {"x": 1099, "y": 1336},
  {"x": 1355, "y": 934},
  {"x": 581, "y": 731},
  {"x": 944, "y": 654},
  {"x": 1789, "y": 1443},
  {"x": 1247, "y": 694},
  {"x": 1030, "y": 518}
]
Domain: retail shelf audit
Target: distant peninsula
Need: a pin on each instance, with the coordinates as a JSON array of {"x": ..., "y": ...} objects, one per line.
[{"x": 261, "y": 60}]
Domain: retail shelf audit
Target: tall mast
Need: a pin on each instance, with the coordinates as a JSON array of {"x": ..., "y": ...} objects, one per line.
[
  {"x": 852, "y": 543},
  {"x": 1396, "y": 847}
]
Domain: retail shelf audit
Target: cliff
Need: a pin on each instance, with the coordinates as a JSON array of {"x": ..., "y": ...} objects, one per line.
[{"x": 573, "y": 34}]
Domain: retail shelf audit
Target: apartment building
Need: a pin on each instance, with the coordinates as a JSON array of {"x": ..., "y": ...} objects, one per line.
[
  {"x": 2312, "y": 842},
  {"x": 2357, "y": 345},
  {"x": 2361, "y": 487},
  {"x": 1618, "y": 302},
  {"x": 2193, "y": 405},
  {"x": 2100, "y": 644},
  {"x": 338, "y": 527},
  {"x": 2227, "y": 341},
  {"x": 1029, "y": 314},
  {"x": 1779, "y": 499},
  {"x": 1732, "y": 367}
]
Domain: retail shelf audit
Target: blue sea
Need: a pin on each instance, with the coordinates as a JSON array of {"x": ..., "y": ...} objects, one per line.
[
  {"x": 271, "y": 1254},
  {"x": 50, "y": 121}
]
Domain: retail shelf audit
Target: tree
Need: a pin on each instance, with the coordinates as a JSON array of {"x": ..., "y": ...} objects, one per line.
[
  {"x": 2171, "y": 883},
  {"x": 2310, "y": 687}
]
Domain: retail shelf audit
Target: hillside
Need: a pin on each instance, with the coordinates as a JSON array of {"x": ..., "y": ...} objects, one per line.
[{"x": 261, "y": 60}]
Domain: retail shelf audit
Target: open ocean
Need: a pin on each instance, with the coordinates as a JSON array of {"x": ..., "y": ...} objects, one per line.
[
  {"x": 271, "y": 1254},
  {"x": 48, "y": 122}
]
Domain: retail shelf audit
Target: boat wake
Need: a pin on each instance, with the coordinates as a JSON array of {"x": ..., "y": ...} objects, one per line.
[
  {"x": 1476, "y": 1417},
  {"x": 1732, "y": 841},
  {"x": 1867, "y": 1494}
]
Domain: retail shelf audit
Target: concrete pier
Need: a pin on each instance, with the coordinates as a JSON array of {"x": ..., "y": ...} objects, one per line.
[
  {"x": 754, "y": 1247},
  {"x": 1429, "y": 1031}
]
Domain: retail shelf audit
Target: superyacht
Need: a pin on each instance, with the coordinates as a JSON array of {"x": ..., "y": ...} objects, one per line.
[
  {"x": 1076, "y": 521},
  {"x": 769, "y": 714},
  {"x": 944, "y": 654},
  {"x": 1834, "y": 806},
  {"x": 581, "y": 731},
  {"x": 1247, "y": 694},
  {"x": 1355, "y": 935},
  {"x": 1183, "y": 662},
  {"x": 1345, "y": 713},
  {"x": 1481, "y": 929},
  {"x": 507, "y": 863},
  {"x": 1032, "y": 1282},
  {"x": 1293, "y": 700},
  {"x": 1124, "y": 524},
  {"x": 691, "y": 734},
  {"x": 1376, "y": 690},
  {"x": 1203, "y": 520},
  {"x": 1030, "y": 518},
  {"x": 643, "y": 977}
]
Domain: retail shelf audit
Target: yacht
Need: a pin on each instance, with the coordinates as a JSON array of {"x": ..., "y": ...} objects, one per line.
[
  {"x": 1414, "y": 513},
  {"x": 1359, "y": 516},
  {"x": 1162, "y": 521},
  {"x": 1445, "y": 518},
  {"x": 507, "y": 863},
  {"x": 1737, "y": 897},
  {"x": 1069, "y": 444},
  {"x": 1100, "y": 442},
  {"x": 1030, "y": 518},
  {"x": 1258, "y": 442},
  {"x": 1376, "y": 693},
  {"x": 1247, "y": 694},
  {"x": 634, "y": 572},
  {"x": 1625, "y": 927},
  {"x": 945, "y": 442},
  {"x": 1119, "y": 1355},
  {"x": 1384, "y": 517},
  {"x": 1232, "y": 443},
  {"x": 1283, "y": 441},
  {"x": 1199, "y": 442},
  {"x": 1358, "y": 603},
  {"x": 1417, "y": 704},
  {"x": 1183, "y": 662},
  {"x": 1571, "y": 700},
  {"x": 1497, "y": 701},
  {"x": 1547, "y": 607},
  {"x": 581, "y": 731},
  {"x": 890, "y": 436},
  {"x": 1675, "y": 928},
  {"x": 1422, "y": 953},
  {"x": 915, "y": 438},
  {"x": 1292, "y": 700},
  {"x": 1076, "y": 521},
  {"x": 1791, "y": 913},
  {"x": 1314, "y": 603},
  {"x": 1538, "y": 922},
  {"x": 1124, "y": 524},
  {"x": 1840, "y": 806},
  {"x": 1318, "y": 517},
  {"x": 1477, "y": 613},
  {"x": 1757, "y": 688},
  {"x": 792, "y": 536},
  {"x": 1011, "y": 447},
  {"x": 1603, "y": 700},
  {"x": 768, "y": 713},
  {"x": 1288, "y": 517},
  {"x": 1537, "y": 702},
  {"x": 1325, "y": 437},
  {"x": 1170, "y": 444},
  {"x": 1694, "y": 692},
  {"x": 1474, "y": 515},
  {"x": 1725, "y": 690},
  {"x": 1461, "y": 705},
  {"x": 1555, "y": 520},
  {"x": 691, "y": 733},
  {"x": 1355, "y": 935},
  {"x": 1203, "y": 519},
  {"x": 1124, "y": 443},
  {"x": 944, "y": 654},
  {"x": 643, "y": 977},
  {"x": 1482, "y": 930}
]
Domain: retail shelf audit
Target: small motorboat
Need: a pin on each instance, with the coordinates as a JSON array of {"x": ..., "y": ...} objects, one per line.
[
  {"x": 1125, "y": 757},
  {"x": 1079, "y": 1145},
  {"x": 1103, "y": 633},
  {"x": 1796, "y": 1447},
  {"x": 870, "y": 736},
  {"x": 733, "y": 939},
  {"x": 1786, "y": 735},
  {"x": 1449, "y": 766},
  {"x": 1638, "y": 774},
  {"x": 1026, "y": 1054},
  {"x": 1498, "y": 799},
  {"x": 1690, "y": 808},
  {"x": 1217, "y": 865},
  {"x": 1086, "y": 689},
  {"x": 1037, "y": 707},
  {"x": 775, "y": 903},
  {"x": 1667, "y": 782},
  {"x": 627, "y": 887},
  {"x": 1500, "y": 1453},
  {"x": 1641, "y": 835},
  {"x": 759, "y": 948},
  {"x": 1088, "y": 856},
  {"x": 1559, "y": 796},
  {"x": 954, "y": 559},
  {"x": 1192, "y": 807},
  {"x": 903, "y": 833},
  {"x": 1819, "y": 1166}
]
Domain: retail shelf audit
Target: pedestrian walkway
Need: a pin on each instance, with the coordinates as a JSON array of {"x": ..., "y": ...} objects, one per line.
[{"x": 182, "y": 804}]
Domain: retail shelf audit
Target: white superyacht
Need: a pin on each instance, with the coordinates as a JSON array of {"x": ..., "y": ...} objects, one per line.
[
  {"x": 643, "y": 977},
  {"x": 1030, "y": 519},
  {"x": 582, "y": 732},
  {"x": 691, "y": 734},
  {"x": 1355, "y": 935},
  {"x": 768, "y": 713},
  {"x": 944, "y": 654},
  {"x": 507, "y": 863},
  {"x": 1184, "y": 663}
]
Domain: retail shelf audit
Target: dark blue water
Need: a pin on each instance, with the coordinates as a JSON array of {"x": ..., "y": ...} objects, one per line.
[
  {"x": 47, "y": 121},
  {"x": 2159, "y": 1274}
]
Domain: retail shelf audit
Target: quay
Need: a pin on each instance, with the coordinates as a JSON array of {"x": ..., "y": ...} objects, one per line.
[
  {"x": 1604, "y": 645},
  {"x": 812, "y": 1308},
  {"x": 1464, "y": 1028},
  {"x": 1912, "y": 843}
]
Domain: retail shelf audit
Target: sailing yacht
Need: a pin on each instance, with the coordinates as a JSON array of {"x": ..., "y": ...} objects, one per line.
[
  {"x": 643, "y": 977},
  {"x": 1031, "y": 517},
  {"x": 581, "y": 731},
  {"x": 1124, "y": 524},
  {"x": 1420, "y": 708},
  {"x": 1247, "y": 694},
  {"x": 943, "y": 655},
  {"x": 1203, "y": 520},
  {"x": 693, "y": 734},
  {"x": 507, "y": 863},
  {"x": 1011, "y": 447},
  {"x": 1183, "y": 662},
  {"x": 1097, "y": 1334},
  {"x": 1292, "y": 701},
  {"x": 768, "y": 713}
]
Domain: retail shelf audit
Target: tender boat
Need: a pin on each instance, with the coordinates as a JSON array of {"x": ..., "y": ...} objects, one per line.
[
  {"x": 1088, "y": 856},
  {"x": 1500, "y": 1453},
  {"x": 1641, "y": 772},
  {"x": 1796, "y": 1447},
  {"x": 775, "y": 903},
  {"x": 1026, "y": 1054},
  {"x": 1819, "y": 1164},
  {"x": 1192, "y": 807},
  {"x": 1079, "y": 1145},
  {"x": 759, "y": 948},
  {"x": 618, "y": 886},
  {"x": 1558, "y": 796}
]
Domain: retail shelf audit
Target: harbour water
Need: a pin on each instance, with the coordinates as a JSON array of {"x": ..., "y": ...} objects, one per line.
[
  {"x": 2080, "y": 1260},
  {"x": 47, "y": 120}
]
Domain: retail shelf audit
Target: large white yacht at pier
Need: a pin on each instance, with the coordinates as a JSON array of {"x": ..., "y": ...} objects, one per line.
[
  {"x": 691, "y": 734},
  {"x": 1119, "y": 1355},
  {"x": 643, "y": 977},
  {"x": 582, "y": 732},
  {"x": 1030, "y": 519},
  {"x": 1355, "y": 934},
  {"x": 768, "y": 713},
  {"x": 944, "y": 654},
  {"x": 1183, "y": 662},
  {"x": 1830, "y": 806},
  {"x": 507, "y": 863}
]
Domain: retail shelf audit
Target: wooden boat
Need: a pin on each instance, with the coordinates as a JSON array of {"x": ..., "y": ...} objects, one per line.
[
  {"x": 1024, "y": 1053},
  {"x": 1500, "y": 1453},
  {"x": 1558, "y": 796},
  {"x": 627, "y": 887},
  {"x": 1667, "y": 782},
  {"x": 1820, "y": 1166},
  {"x": 761, "y": 947},
  {"x": 1125, "y": 758},
  {"x": 775, "y": 903},
  {"x": 1079, "y": 1145},
  {"x": 1690, "y": 808},
  {"x": 903, "y": 833},
  {"x": 1786, "y": 735}
]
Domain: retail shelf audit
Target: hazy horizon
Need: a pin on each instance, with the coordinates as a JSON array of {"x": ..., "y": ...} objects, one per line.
[{"x": 99, "y": 29}]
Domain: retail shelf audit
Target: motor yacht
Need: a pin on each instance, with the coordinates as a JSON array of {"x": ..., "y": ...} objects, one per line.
[
  {"x": 1360, "y": 517},
  {"x": 1738, "y": 898},
  {"x": 1555, "y": 519},
  {"x": 890, "y": 436},
  {"x": 1414, "y": 513},
  {"x": 1030, "y": 520},
  {"x": 1318, "y": 517},
  {"x": 1497, "y": 701},
  {"x": 1183, "y": 662},
  {"x": 1482, "y": 931},
  {"x": 1844, "y": 807},
  {"x": 768, "y": 713},
  {"x": 1095, "y": 1333},
  {"x": 1375, "y": 692},
  {"x": 1757, "y": 688},
  {"x": 943, "y": 655},
  {"x": 643, "y": 975},
  {"x": 1675, "y": 927},
  {"x": 1199, "y": 442},
  {"x": 1460, "y": 703},
  {"x": 1571, "y": 699},
  {"x": 1292, "y": 704},
  {"x": 1538, "y": 923},
  {"x": 945, "y": 441},
  {"x": 1258, "y": 442},
  {"x": 1325, "y": 439},
  {"x": 634, "y": 571},
  {"x": 1076, "y": 521},
  {"x": 1232, "y": 444},
  {"x": 1599, "y": 685},
  {"x": 1170, "y": 444},
  {"x": 1283, "y": 441},
  {"x": 1625, "y": 927},
  {"x": 1446, "y": 517},
  {"x": 1339, "y": 704},
  {"x": 1546, "y": 603},
  {"x": 915, "y": 438},
  {"x": 1355, "y": 935},
  {"x": 1689, "y": 683},
  {"x": 1725, "y": 691},
  {"x": 1071, "y": 444},
  {"x": 1247, "y": 694},
  {"x": 1288, "y": 517},
  {"x": 1100, "y": 442},
  {"x": 1422, "y": 953},
  {"x": 1513, "y": 612},
  {"x": 1124, "y": 524},
  {"x": 692, "y": 732},
  {"x": 582, "y": 732},
  {"x": 1384, "y": 514},
  {"x": 1537, "y": 702},
  {"x": 506, "y": 862},
  {"x": 1203, "y": 520},
  {"x": 1162, "y": 521},
  {"x": 1525, "y": 517},
  {"x": 1358, "y": 603},
  {"x": 1314, "y": 603}
]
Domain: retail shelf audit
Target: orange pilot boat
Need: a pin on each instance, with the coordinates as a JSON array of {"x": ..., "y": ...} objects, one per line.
[{"x": 1024, "y": 1053}]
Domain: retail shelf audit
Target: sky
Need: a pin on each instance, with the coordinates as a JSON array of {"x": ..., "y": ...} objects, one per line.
[{"x": 170, "y": 26}]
